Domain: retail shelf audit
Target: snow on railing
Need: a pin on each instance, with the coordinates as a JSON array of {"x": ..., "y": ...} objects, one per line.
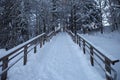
[
  {"x": 96, "y": 56},
  {"x": 21, "y": 51},
  {"x": 71, "y": 34}
]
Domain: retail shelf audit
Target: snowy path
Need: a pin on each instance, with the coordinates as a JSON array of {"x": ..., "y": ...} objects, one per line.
[{"x": 60, "y": 59}]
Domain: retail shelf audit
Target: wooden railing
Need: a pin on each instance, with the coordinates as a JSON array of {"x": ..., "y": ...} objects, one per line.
[
  {"x": 71, "y": 34},
  {"x": 22, "y": 51},
  {"x": 96, "y": 56}
]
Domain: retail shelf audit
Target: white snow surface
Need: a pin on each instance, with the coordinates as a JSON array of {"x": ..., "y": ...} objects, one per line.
[
  {"x": 109, "y": 44},
  {"x": 2, "y": 52},
  {"x": 59, "y": 59}
]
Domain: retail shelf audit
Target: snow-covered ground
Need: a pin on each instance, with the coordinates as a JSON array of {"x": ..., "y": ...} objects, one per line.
[
  {"x": 59, "y": 59},
  {"x": 109, "y": 44},
  {"x": 2, "y": 52}
]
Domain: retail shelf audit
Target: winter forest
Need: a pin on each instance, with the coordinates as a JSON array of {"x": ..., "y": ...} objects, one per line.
[
  {"x": 70, "y": 39},
  {"x": 21, "y": 20}
]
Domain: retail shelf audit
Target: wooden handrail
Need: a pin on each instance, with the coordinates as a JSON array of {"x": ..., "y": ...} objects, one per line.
[
  {"x": 12, "y": 52},
  {"x": 95, "y": 52},
  {"x": 24, "y": 47},
  {"x": 19, "y": 47},
  {"x": 111, "y": 61}
]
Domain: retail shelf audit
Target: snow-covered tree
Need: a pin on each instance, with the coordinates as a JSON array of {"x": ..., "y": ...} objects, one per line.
[
  {"x": 84, "y": 13},
  {"x": 24, "y": 19},
  {"x": 114, "y": 9}
]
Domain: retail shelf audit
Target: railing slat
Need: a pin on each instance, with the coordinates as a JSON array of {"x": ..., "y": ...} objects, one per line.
[
  {"x": 84, "y": 46},
  {"x": 4, "y": 66},
  {"x": 108, "y": 70},
  {"x": 25, "y": 55},
  {"x": 91, "y": 57},
  {"x": 35, "y": 49}
]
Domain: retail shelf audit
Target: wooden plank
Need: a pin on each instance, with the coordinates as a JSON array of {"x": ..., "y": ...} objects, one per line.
[
  {"x": 35, "y": 49},
  {"x": 84, "y": 46},
  {"x": 4, "y": 66},
  {"x": 91, "y": 57},
  {"x": 25, "y": 55},
  {"x": 107, "y": 68}
]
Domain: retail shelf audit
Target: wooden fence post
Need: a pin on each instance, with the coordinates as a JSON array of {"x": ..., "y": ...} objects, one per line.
[
  {"x": 91, "y": 57},
  {"x": 84, "y": 46},
  {"x": 46, "y": 38},
  {"x": 79, "y": 41},
  {"x": 108, "y": 70},
  {"x": 25, "y": 55},
  {"x": 4, "y": 66},
  {"x": 43, "y": 40},
  {"x": 35, "y": 49},
  {"x": 40, "y": 42}
]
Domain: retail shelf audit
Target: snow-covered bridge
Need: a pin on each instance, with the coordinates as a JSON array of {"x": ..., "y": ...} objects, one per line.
[{"x": 59, "y": 59}]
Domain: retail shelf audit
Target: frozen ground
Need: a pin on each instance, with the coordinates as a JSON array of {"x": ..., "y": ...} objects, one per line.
[
  {"x": 109, "y": 44},
  {"x": 60, "y": 59}
]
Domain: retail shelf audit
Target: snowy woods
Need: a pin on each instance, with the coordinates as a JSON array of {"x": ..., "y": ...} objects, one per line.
[
  {"x": 21, "y": 20},
  {"x": 68, "y": 38}
]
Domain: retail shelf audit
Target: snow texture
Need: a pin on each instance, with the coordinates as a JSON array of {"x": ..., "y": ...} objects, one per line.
[
  {"x": 108, "y": 44},
  {"x": 59, "y": 59}
]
